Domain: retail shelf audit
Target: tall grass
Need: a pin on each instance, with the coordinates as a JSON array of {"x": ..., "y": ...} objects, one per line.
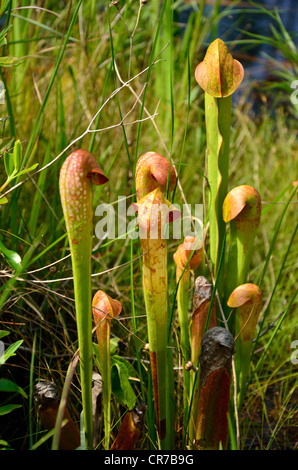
[{"x": 74, "y": 58}]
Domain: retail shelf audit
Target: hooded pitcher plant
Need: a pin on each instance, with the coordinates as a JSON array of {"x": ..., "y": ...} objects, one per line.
[
  {"x": 247, "y": 300},
  {"x": 242, "y": 209},
  {"x": 79, "y": 170},
  {"x": 104, "y": 309},
  {"x": 188, "y": 258},
  {"x": 153, "y": 176},
  {"x": 219, "y": 75}
]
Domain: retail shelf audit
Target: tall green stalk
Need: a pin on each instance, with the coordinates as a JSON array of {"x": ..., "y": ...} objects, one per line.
[
  {"x": 219, "y": 75},
  {"x": 79, "y": 170},
  {"x": 104, "y": 309},
  {"x": 152, "y": 172}
]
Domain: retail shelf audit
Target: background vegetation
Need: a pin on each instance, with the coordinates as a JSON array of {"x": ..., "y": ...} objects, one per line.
[{"x": 115, "y": 65}]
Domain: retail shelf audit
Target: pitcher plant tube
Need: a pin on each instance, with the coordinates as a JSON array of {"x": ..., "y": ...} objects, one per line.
[
  {"x": 219, "y": 75},
  {"x": 104, "y": 309},
  {"x": 79, "y": 170},
  {"x": 247, "y": 300},
  {"x": 153, "y": 177}
]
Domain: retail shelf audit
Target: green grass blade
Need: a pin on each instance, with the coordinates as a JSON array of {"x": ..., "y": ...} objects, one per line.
[
  {"x": 37, "y": 124},
  {"x": 62, "y": 405},
  {"x": 275, "y": 234}
]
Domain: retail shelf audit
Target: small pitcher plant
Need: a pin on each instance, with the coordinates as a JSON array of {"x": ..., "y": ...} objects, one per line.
[
  {"x": 242, "y": 208},
  {"x": 104, "y": 309},
  {"x": 247, "y": 301}
]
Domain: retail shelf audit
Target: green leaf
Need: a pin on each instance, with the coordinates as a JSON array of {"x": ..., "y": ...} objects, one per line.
[
  {"x": 9, "y": 61},
  {"x": 31, "y": 168},
  {"x": 9, "y": 386},
  {"x": 3, "y": 200},
  {"x": 3, "y": 34},
  {"x": 17, "y": 155},
  {"x": 8, "y": 163},
  {"x": 5, "y": 31},
  {"x": 4, "y": 445},
  {"x": 11, "y": 257},
  {"x": 4, "y": 410},
  {"x": 3, "y": 333},
  {"x": 6, "y": 144},
  {"x": 121, "y": 371},
  {"x": 10, "y": 351},
  {"x": 114, "y": 349},
  {"x": 114, "y": 346}
]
